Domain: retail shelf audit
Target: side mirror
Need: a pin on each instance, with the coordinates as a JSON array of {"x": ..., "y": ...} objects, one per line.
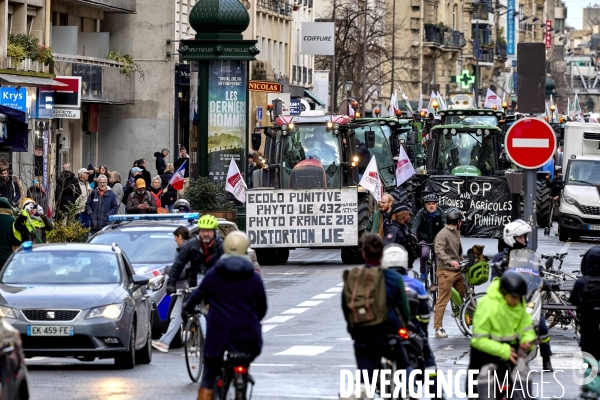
[
  {"x": 256, "y": 141},
  {"x": 411, "y": 137},
  {"x": 140, "y": 280},
  {"x": 370, "y": 139},
  {"x": 394, "y": 144}
]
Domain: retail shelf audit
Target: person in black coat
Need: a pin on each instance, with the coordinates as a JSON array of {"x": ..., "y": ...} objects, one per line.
[
  {"x": 397, "y": 232},
  {"x": 169, "y": 196},
  {"x": 237, "y": 303},
  {"x": 67, "y": 189},
  {"x": 364, "y": 156},
  {"x": 161, "y": 164},
  {"x": 145, "y": 173}
]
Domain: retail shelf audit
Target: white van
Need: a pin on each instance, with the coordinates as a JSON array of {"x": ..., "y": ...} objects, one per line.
[{"x": 579, "y": 212}]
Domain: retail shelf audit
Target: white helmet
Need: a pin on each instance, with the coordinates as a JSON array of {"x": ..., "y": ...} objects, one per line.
[
  {"x": 394, "y": 256},
  {"x": 516, "y": 228}
]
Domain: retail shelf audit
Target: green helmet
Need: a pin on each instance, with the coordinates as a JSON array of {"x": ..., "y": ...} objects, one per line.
[
  {"x": 478, "y": 273},
  {"x": 208, "y": 222}
]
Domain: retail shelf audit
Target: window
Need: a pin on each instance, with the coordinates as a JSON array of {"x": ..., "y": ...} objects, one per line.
[
  {"x": 310, "y": 76},
  {"x": 304, "y": 74},
  {"x": 559, "y": 24},
  {"x": 9, "y": 23},
  {"x": 521, "y": 16},
  {"x": 454, "y": 17}
]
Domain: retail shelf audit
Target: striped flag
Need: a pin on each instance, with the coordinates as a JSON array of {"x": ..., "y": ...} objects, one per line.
[{"x": 177, "y": 180}]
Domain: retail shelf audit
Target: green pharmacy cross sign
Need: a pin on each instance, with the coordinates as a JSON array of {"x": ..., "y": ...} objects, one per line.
[{"x": 465, "y": 79}]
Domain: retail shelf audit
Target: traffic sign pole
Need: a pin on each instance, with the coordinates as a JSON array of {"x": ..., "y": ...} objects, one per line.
[{"x": 530, "y": 143}]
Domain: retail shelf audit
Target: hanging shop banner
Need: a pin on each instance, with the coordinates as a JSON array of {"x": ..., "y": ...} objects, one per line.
[
  {"x": 510, "y": 27},
  {"x": 484, "y": 201},
  {"x": 302, "y": 218},
  {"x": 227, "y": 111},
  {"x": 45, "y": 176},
  {"x": 318, "y": 38},
  {"x": 14, "y": 98},
  {"x": 271, "y": 87},
  {"x": 44, "y": 103},
  {"x": 548, "y": 34},
  {"x": 321, "y": 89},
  {"x": 68, "y": 96}
]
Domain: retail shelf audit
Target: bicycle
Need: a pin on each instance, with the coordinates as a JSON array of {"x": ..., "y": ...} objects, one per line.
[
  {"x": 233, "y": 382},
  {"x": 430, "y": 274},
  {"x": 463, "y": 308},
  {"x": 192, "y": 338}
]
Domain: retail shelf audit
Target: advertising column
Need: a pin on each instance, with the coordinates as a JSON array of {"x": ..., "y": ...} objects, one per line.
[{"x": 226, "y": 116}]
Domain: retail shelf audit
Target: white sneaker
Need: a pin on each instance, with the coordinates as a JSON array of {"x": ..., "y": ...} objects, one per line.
[
  {"x": 440, "y": 333},
  {"x": 160, "y": 346}
]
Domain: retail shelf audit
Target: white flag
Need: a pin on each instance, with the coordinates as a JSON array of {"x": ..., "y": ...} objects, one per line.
[
  {"x": 420, "y": 105},
  {"x": 491, "y": 98},
  {"x": 370, "y": 180},
  {"x": 404, "y": 168},
  {"x": 393, "y": 105},
  {"x": 442, "y": 101},
  {"x": 474, "y": 102},
  {"x": 235, "y": 182}
]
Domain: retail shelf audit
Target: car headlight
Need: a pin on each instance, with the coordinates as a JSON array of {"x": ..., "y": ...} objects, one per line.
[
  {"x": 568, "y": 199},
  {"x": 157, "y": 282},
  {"x": 7, "y": 312},
  {"x": 112, "y": 311}
]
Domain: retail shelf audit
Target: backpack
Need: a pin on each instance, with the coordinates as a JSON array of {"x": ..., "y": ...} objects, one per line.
[
  {"x": 589, "y": 309},
  {"x": 365, "y": 295}
]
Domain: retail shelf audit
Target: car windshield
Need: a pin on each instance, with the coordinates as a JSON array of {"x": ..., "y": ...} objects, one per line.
[
  {"x": 465, "y": 149},
  {"x": 487, "y": 120},
  {"x": 62, "y": 267},
  {"x": 583, "y": 173},
  {"x": 142, "y": 246},
  {"x": 381, "y": 150}
]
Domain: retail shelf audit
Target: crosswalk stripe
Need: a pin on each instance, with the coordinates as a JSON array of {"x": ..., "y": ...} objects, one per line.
[
  {"x": 309, "y": 303},
  {"x": 295, "y": 310},
  {"x": 267, "y": 328},
  {"x": 323, "y": 296},
  {"x": 278, "y": 319},
  {"x": 334, "y": 289},
  {"x": 304, "y": 351}
]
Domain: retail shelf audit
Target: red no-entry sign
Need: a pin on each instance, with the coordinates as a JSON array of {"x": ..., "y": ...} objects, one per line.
[{"x": 530, "y": 143}]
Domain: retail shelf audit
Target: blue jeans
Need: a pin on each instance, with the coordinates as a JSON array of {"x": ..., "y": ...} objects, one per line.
[
  {"x": 84, "y": 219},
  {"x": 169, "y": 207},
  {"x": 175, "y": 323}
]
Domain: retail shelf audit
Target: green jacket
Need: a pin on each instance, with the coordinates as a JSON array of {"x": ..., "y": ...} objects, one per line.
[
  {"x": 496, "y": 324},
  {"x": 375, "y": 221}
]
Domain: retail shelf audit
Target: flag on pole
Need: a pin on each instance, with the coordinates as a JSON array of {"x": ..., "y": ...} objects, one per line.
[
  {"x": 371, "y": 181},
  {"x": 441, "y": 101},
  {"x": 568, "y": 107},
  {"x": 404, "y": 168},
  {"x": 492, "y": 98},
  {"x": 474, "y": 102},
  {"x": 177, "y": 180},
  {"x": 420, "y": 105},
  {"x": 405, "y": 99},
  {"x": 547, "y": 110},
  {"x": 393, "y": 105},
  {"x": 432, "y": 97},
  {"x": 577, "y": 106},
  {"x": 235, "y": 182}
]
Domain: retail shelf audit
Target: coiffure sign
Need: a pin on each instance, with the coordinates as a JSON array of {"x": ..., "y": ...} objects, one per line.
[{"x": 318, "y": 38}]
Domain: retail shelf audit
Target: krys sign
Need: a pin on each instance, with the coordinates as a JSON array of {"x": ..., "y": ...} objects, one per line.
[{"x": 484, "y": 201}]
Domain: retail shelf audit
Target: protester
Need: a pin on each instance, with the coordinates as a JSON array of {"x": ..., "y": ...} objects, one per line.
[
  {"x": 32, "y": 223},
  {"x": 156, "y": 190},
  {"x": 115, "y": 180},
  {"x": 101, "y": 203},
  {"x": 8, "y": 187},
  {"x": 161, "y": 164},
  {"x": 169, "y": 196},
  {"x": 84, "y": 188},
  {"x": 141, "y": 201},
  {"x": 381, "y": 218},
  {"x": 183, "y": 158}
]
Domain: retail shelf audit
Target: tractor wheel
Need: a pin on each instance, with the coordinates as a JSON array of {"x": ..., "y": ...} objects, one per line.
[
  {"x": 543, "y": 204},
  {"x": 272, "y": 256},
  {"x": 353, "y": 255}
]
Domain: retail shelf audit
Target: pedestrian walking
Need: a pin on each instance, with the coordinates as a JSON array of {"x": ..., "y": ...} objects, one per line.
[
  {"x": 117, "y": 187},
  {"x": 161, "y": 164},
  {"x": 8, "y": 187},
  {"x": 141, "y": 201},
  {"x": 169, "y": 196},
  {"x": 83, "y": 191},
  {"x": 101, "y": 203}
]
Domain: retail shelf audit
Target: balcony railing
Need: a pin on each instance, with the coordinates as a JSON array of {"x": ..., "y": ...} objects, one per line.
[
  {"x": 27, "y": 65},
  {"x": 443, "y": 36},
  {"x": 277, "y": 6},
  {"x": 485, "y": 55},
  {"x": 125, "y": 6}
]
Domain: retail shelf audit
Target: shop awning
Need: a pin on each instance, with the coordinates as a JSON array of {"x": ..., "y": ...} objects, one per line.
[
  {"x": 310, "y": 94},
  {"x": 29, "y": 81}
]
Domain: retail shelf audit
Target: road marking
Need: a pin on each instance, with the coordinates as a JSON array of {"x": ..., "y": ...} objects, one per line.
[
  {"x": 298, "y": 334},
  {"x": 340, "y": 284},
  {"x": 267, "y": 328},
  {"x": 565, "y": 248},
  {"x": 295, "y": 396},
  {"x": 323, "y": 296},
  {"x": 295, "y": 310},
  {"x": 272, "y": 365},
  {"x": 335, "y": 289},
  {"x": 344, "y": 338},
  {"x": 304, "y": 351},
  {"x": 537, "y": 143},
  {"x": 278, "y": 319},
  {"x": 309, "y": 303}
]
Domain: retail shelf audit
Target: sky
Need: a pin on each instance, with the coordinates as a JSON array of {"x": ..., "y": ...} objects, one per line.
[{"x": 575, "y": 12}]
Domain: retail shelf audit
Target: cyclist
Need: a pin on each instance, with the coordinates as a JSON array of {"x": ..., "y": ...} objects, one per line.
[
  {"x": 428, "y": 222},
  {"x": 237, "y": 303},
  {"x": 448, "y": 251},
  {"x": 514, "y": 236},
  {"x": 182, "y": 206},
  {"x": 201, "y": 252},
  {"x": 501, "y": 324},
  {"x": 395, "y": 257}
]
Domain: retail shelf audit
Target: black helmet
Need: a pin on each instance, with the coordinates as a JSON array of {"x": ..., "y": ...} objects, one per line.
[
  {"x": 453, "y": 214},
  {"x": 430, "y": 198},
  {"x": 512, "y": 282}
]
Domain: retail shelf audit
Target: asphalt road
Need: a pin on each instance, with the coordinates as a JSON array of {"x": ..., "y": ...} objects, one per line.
[{"x": 305, "y": 343}]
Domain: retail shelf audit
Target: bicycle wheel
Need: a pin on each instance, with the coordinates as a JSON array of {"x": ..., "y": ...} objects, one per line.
[
  {"x": 432, "y": 282},
  {"x": 466, "y": 313},
  {"x": 193, "y": 348}
]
